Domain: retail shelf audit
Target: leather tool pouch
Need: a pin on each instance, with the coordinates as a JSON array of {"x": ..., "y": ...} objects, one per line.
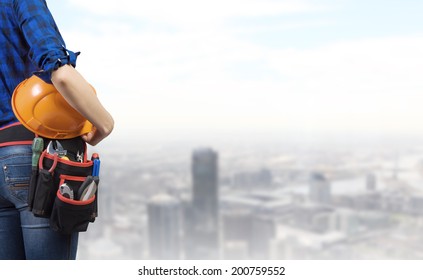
[{"x": 67, "y": 211}]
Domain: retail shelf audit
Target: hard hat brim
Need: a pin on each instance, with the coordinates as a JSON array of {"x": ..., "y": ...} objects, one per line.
[{"x": 43, "y": 110}]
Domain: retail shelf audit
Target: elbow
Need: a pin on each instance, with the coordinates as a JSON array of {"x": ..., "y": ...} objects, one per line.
[
  {"x": 107, "y": 127},
  {"x": 60, "y": 77}
]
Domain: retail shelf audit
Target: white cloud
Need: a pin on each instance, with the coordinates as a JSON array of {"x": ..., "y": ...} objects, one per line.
[
  {"x": 372, "y": 84},
  {"x": 182, "y": 79},
  {"x": 192, "y": 11}
]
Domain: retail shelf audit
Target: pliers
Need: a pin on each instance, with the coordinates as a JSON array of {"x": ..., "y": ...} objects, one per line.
[{"x": 54, "y": 147}]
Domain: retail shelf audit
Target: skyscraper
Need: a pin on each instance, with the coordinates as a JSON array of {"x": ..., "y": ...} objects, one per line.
[
  {"x": 164, "y": 225},
  {"x": 320, "y": 189},
  {"x": 202, "y": 225}
]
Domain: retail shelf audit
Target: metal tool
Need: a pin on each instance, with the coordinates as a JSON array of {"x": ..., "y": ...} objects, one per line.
[
  {"x": 87, "y": 189},
  {"x": 66, "y": 191},
  {"x": 80, "y": 157},
  {"x": 54, "y": 146}
]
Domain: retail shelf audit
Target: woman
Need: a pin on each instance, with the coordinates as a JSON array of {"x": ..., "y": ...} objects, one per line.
[{"x": 30, "y": 43}]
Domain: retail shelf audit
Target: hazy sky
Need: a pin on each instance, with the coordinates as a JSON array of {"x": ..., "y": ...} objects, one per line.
[{"x": 253, "y": 65}]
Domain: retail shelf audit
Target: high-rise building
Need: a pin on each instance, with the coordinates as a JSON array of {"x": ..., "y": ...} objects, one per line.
[
  {"x": 164, "y": 226},
  {"x": 236, "y": 232},
  {"x": 319, "y": 189},
  {"x": 262, "y": 233},
  {"x": 202, "y": 224}
]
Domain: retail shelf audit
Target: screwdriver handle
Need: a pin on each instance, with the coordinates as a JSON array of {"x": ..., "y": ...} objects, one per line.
[
  {"x": 96, "y": 164},
  {"x": 37, "y": 148}
]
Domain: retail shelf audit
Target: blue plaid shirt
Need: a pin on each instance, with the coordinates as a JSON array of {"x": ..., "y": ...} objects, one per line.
[{"x": 30, "y": 43}]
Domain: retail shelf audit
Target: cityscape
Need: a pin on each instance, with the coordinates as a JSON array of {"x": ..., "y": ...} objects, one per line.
[{"x": 313, "y": 198}]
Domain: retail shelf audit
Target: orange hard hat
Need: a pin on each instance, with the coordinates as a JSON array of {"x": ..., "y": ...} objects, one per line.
[{"x": 43, "y": 110}]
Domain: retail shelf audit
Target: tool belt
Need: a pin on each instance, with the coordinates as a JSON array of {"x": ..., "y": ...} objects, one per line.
[
  {"x": 60, "y": 185},
  {"x": 15, "y": 134}
]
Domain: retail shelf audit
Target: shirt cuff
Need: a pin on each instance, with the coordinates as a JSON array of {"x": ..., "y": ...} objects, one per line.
[{"x": 54, "y": 61}]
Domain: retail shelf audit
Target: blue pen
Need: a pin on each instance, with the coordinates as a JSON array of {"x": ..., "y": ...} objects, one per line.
[{"x": 96, "y": 165}]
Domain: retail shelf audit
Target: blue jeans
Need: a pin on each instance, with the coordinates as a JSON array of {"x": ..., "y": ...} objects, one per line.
[{"x": 22, "y": 235}]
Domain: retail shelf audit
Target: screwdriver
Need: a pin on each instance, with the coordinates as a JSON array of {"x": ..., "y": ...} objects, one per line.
[
  {"x": 37, "y": 148},
  {"x": 96, "y": 164}
]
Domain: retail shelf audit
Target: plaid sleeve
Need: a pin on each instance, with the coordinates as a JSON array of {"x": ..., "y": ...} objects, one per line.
[{"x": 47, "y": 48}]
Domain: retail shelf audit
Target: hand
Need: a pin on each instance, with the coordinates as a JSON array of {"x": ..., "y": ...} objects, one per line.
[{"x": 94, "y": 136}]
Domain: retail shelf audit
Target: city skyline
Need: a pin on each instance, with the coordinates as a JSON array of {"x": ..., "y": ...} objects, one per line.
[{"x": 267, "y": 209}]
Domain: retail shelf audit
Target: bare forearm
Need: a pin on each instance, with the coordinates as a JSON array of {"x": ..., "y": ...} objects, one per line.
[{"x": 80, "y": 95}]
